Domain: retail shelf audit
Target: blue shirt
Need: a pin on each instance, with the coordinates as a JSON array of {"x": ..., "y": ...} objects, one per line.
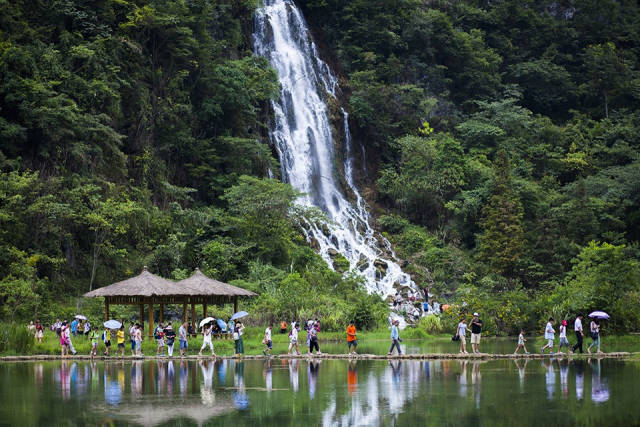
[
  {"x": 394, "y": 332},
  {"x": 74, "y": 325}
]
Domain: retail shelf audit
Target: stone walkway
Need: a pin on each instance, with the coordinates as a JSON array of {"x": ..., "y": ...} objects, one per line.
[{"x": 429, "y": 356}]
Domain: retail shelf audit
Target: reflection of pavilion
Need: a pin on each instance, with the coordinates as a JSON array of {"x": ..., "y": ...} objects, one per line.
[{"x": 156, "y": 413}]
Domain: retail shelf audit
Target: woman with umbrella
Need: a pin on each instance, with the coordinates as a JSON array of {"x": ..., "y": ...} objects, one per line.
[
  {"x": 237, "y": 332},
  {"x": 207, "y": 327},
  {"x": 595, "y": 329}
]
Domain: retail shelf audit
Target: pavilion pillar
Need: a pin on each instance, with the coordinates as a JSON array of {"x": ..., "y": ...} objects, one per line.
[
  {"x": 204, "y": 310},
  {"x": 235, "y": 304},
  {"x": 184, "y": 311},
  {"x": 193, "y": 318},
  {"x": 162, "y": 313},
  {"x": 106, "y": 308},
  {"x": 141, "y": 306},
  {"x": 150, "y": 319}
]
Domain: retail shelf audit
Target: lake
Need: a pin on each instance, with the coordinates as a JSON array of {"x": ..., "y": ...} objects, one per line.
[{"x": 328, "y": 392}]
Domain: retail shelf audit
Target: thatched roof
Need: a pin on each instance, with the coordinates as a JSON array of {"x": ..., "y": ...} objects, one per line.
[
  {"x": 147, "y": 284},
  {"x": 199, "y": 284}
]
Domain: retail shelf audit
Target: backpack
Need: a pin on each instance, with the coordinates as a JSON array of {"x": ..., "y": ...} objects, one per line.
[{"x": 104, "y": 336}]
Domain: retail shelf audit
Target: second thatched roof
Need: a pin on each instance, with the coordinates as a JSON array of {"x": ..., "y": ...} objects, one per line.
[{"x": 200, "y": 284}]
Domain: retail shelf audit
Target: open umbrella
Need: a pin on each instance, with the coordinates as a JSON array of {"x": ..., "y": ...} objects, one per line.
[
  {"x": 112, "y": 324},
  {"x": 599, "y": 315},
  {"x": 207, "y": 320},
  {"x": 239, "y": 315},
  {"x": 222, "y": 325},
  {"x": 80, "y": 317}
]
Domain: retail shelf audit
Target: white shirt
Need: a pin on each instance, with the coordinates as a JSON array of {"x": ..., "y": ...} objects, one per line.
[
  {"x": 549, "y": 333},
  {"x": 294, "y": 334},
  {"x": 462, "y": 327},
  {"x": 577, "y": 326},
  {"x": 267, "y": 334},
  {"x": 563, "y": 331}
]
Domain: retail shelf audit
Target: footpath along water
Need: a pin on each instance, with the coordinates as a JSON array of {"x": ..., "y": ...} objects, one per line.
[{"x": 330, "y": 392}]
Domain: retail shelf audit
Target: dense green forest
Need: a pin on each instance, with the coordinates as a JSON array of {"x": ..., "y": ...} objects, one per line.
[{"x": 502, "y": 141}]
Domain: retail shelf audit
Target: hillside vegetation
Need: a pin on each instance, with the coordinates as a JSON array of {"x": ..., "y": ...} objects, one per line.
[{"x": 502, "y": 140}]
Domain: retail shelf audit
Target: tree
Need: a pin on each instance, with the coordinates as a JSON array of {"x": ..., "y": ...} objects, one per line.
[{"x": 501, "y": 242}]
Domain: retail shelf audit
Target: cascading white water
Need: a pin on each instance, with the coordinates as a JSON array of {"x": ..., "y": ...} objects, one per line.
[{"x": 302, "y": 135}]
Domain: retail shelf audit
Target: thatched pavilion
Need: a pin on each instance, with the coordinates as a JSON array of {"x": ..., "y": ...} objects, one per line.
[{"x": 149, "y": 289}]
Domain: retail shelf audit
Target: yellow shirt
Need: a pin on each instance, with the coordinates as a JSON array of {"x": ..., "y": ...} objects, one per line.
[{"x": 120, "y": 337}]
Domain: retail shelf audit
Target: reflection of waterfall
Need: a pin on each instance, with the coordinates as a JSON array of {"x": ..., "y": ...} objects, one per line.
[{"x": 302, "y": 136}]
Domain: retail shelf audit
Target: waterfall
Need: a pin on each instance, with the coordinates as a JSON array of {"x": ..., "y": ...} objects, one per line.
[{"x": 301, "y": 133}]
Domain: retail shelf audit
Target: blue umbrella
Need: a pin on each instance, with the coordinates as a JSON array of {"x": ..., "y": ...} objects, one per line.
[
  {"x": 112, "y": 324},
  {"x": 222, "y": 325},
  {"x": 239, "y": 314}
]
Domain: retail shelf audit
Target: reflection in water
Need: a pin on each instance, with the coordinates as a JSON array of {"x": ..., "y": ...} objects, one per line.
[
  {"x": 344, "y": 393},
  {"x": 352, "y": 377},
  {"x": 312, "y": 376},
  {"x": 549, "y": 378},
  {"x": 599, "y": 387},
  {"x": 293, "y": 374},
  {"x": 240, "y": 397}
]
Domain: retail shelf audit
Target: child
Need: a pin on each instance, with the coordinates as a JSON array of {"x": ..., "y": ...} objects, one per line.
[
  {"x": 564, "y": 342},
  {"x": 107, "y": 341},
  {"x": 460, "y": 333},
  {"x": 94, "y": 343},
  {"x": 549, "y": 335},
  {"x": 521, "y": 341},
  {"x": 120, "y": 341}
]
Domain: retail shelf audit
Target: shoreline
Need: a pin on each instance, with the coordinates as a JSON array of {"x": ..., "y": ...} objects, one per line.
[{"x": 327, "y": 356}]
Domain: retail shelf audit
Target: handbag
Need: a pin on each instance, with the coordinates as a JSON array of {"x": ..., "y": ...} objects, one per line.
[{"x": 455, "y": 338}]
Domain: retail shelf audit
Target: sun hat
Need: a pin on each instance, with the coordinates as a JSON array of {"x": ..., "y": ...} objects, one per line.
[
  {"x": 475, "y": 314},
  {"x": 564, "y": 323}
]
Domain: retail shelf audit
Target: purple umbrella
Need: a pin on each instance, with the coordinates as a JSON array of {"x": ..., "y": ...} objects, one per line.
[{"x": 599, "y": 315}]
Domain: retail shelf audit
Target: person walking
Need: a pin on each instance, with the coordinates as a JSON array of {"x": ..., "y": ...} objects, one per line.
[
  {"x": 70, "y": 342},
  {"x": 206, "y": 341},
  {"x": 158, "y": 334},
  {"x": 476, "y": 331},
  {"x": 183, "y": 338},
  {"x": 106, "y": 339},
  {"x": 87, "y": 327},
  {"x": 395, "y": 338},
  {"x": 39, "y": 331},
  {"x": 74, "y": 327},
  {"x": 170, "y": 336},
  {"x": 564, "y": 342},
  {"x": 313, "y": 340},
  {"x": 577, "y": 327},
  {"x": 521, "y": 341},
  {"x": 94, "y": 343},
  {"x": 549, "y": 335},
  {"x": 267, "y": 341},
  {"x": 64, "y": 345},
  {"x": 120, "y": 340},
  {"x": 352, "y": 340},
  {"x": 461, "y": 334},
  {"x": 139, "y": 340},
  {"x": 237, "y": 337},
  {"x": 594, "y": 327},
  {"x": 293, "y": 338},
  {"x": 132, "y": 337}
]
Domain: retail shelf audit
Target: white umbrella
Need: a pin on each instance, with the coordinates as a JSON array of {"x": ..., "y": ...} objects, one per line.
[
  {"x": 80, "y": 317},
  {"x": 207, "y": 320},
  {"x": 599, "y": 315}
]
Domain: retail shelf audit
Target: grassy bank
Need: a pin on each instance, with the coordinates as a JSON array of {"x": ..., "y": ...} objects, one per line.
[{"x": 252, "y": 339}]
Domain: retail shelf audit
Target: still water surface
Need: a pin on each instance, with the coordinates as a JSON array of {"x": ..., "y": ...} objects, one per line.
[{"x": 328, "y": 392}]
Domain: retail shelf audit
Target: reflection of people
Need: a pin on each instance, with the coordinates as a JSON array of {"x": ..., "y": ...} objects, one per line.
[
  {"x": 550, "y": 379},
  {"x": 579, "y": 379},
  {"x": 184, "y": 377},
  {"x": 206, "y": 394},
  {"x": 240, "y": 397},
  {"x": 476, "y": 378},
  {"x": 599, "y": 387},
  {"x": 521, "y": 371},
  {"x": 352, "y": 377},
  {"x": 293, "y": 373},
  {"x": 312, "y": 376},
  {"x": 462, "y": 379},
  {"x": 564, "y": 374},
  {"x": 396, "y": 371},
  {"x": 267, "y": 373}
]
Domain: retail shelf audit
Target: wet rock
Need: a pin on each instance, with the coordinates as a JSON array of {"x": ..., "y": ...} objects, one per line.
[
  {"x": 315, "y": 244},
  {"x": 332, "y": 252}
]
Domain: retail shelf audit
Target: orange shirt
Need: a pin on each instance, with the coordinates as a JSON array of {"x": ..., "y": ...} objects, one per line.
[{"x": 351, "y": 333}]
